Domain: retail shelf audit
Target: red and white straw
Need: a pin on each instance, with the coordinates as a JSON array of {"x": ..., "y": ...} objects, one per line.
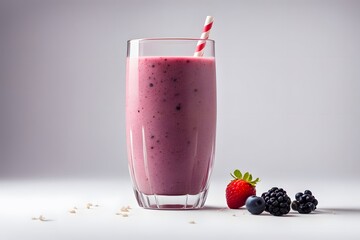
[{"x": 199, "y": 52}]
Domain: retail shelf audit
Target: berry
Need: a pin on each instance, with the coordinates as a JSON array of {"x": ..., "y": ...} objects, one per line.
[
  {"x": 255, "y": 205},
  {"x": 295, "y": 205},
  {"x": 304, "y": 208},
  {"x": 305, "y": 202},
  {"x": 308, "y": 192},
  {"x": 277, "y": 202},
  {"x": 239, "y": 189},
  {"x": 298, "y": 195}
]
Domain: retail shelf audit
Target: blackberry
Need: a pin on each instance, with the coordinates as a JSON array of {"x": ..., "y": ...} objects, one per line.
[
  {"x": 305, "y": 202},
  {"x": 277, "y": 202}
]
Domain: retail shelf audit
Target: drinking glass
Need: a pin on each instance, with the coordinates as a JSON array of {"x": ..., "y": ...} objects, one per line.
[{"x": 170, "y": 121}]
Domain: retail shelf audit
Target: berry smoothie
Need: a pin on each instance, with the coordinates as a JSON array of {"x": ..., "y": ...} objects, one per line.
[{"x": 170, "y": 123}]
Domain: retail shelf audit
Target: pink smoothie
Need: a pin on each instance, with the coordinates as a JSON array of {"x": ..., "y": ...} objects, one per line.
[{"x": 170, "y": 123}]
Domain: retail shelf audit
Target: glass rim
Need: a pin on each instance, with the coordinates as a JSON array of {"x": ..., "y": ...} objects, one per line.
[{"x": 168, "y": 39}]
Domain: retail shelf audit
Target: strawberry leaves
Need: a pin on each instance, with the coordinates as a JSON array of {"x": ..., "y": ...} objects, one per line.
[
  {"x": 255, "y": 181},
  {"x": 237, "y": 175},
  {"x": 246, "y": 176}
]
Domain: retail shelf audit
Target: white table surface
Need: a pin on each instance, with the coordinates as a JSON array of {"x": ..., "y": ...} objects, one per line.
[{"x": 338, "y": 215}]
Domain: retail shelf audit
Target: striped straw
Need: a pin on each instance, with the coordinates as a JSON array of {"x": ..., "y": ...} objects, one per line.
[{"x": 199, "y": 51}]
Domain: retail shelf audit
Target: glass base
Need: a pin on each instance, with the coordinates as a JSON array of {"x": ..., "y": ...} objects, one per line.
[{"x": 174, "y": 202}]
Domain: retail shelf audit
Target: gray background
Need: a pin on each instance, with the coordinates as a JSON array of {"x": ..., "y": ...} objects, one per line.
[{"x": 288, "y": 84}]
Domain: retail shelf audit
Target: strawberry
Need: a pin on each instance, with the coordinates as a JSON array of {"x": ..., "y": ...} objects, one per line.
[{"x": 239, "y": 189}]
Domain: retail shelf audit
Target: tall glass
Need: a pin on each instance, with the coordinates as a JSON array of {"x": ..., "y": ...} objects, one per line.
[{"x": 170, "y": 121}]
